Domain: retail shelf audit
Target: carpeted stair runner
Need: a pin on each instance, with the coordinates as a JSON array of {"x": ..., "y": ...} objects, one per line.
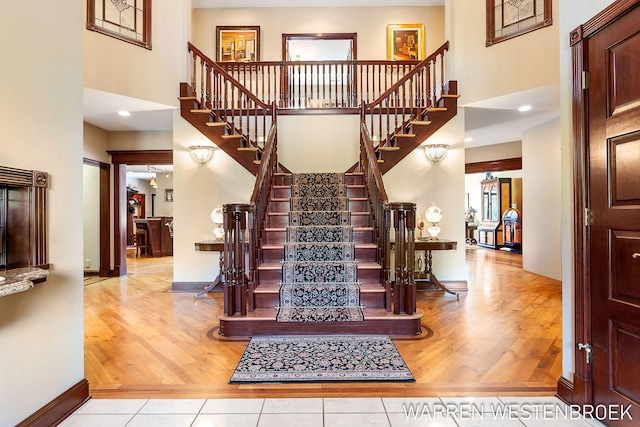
[{"x": 319, "y": 273}]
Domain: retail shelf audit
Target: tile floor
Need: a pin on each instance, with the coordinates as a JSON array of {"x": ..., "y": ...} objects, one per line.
[{"x": 326, "y": 412}]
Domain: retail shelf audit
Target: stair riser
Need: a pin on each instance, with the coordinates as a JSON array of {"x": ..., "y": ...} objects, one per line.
[
  {"x": 275, "y": 255},
  {"x": 249, "y": 328},
  {"x": 368, "y": 299},
  {"x": 285, "y": 192},
  {"x": 278, "y": 237},
  {"x": 356, "y": 179},
  {"x": 365, "y": 276},
  {"x": 283, "y": 220},
  {"x": 285, "y": 205}
]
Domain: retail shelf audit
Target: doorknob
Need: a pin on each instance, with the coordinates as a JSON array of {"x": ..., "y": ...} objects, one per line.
[{"x": 636, "y": 255}]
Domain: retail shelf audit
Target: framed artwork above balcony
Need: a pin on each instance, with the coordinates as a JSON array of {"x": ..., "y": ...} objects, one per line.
[
  {"x": 405, "y": 42},
  {"x": 237, "y": 44}
]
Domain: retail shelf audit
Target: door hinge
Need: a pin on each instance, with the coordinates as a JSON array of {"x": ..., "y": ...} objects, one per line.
[
  {"x": 588, "y": 217},
  {"x": 587, "y": 349},
  {"x": 586, "y": 80}
]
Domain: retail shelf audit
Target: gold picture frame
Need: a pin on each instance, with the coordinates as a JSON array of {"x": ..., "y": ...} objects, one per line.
[
  {"x": 237, "y": 44},
  {"x": 168, "y": 194},
  {"x": 405, "y": 42}
]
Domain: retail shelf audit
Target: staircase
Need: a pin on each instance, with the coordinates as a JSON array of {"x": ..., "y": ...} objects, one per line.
[
  {"x": 273, "y": 284},
  {"x": 374, "y": 297}
]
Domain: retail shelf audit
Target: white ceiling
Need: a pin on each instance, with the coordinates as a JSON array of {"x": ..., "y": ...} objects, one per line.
[{"x": 492, "y": 121}]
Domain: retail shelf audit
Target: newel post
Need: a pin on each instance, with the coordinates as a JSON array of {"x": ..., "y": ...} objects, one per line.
[
  {"x": 404, "y": 290},
  {"x": 235, "y": 234}
]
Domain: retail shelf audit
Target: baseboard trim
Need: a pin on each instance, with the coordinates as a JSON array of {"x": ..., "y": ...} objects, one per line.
[
  {"x": 59, "y": 408},
  {"x": 565, "y": 390},
  {"x": 193, "y": 287}
]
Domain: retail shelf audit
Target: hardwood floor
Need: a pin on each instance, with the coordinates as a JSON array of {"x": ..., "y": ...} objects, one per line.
[{"x": 503, "y": 337}]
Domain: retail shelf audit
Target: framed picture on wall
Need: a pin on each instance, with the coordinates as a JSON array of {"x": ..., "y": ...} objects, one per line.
[
  {"x": 405, "y": 42},
  {"x": 237, "y": 44},
  {"x": 168, "y": 194}
]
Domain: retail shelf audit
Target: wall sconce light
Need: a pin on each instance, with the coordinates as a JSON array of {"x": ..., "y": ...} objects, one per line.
[
  {"x": 201, "y": 153},
  {"x": 436, "y": 152}
]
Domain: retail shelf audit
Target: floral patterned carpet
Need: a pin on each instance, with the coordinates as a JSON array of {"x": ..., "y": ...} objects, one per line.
[
  {"x": 310, "y": 358},
  {"x": 319, "y": 273}
]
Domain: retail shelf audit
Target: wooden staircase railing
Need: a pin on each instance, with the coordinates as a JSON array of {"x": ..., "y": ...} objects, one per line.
[
  {"x": 226, "y": 111},
  {"x": 405, "y": 101},
  {"x": 400, "y": 217},
  {"x": 400, "y": 119},
  {"x": 242, "y": 241},
  {"x": 300, "y": 85}
]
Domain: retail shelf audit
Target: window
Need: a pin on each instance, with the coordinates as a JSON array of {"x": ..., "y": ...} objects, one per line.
[
  {"x": 511, "y": 18},
  {"x": 128, "y": 20}
]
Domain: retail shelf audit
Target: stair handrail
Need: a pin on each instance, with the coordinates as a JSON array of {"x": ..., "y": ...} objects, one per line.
[
  {"x": 401, "y": 216},
  {"x": 259, "y": 203},
  {"x": 422, "y": 64},
  {"x": 409, "y": 99},
  {"x": 206, "y": 61},
  {"x": 379, "y": 202}
]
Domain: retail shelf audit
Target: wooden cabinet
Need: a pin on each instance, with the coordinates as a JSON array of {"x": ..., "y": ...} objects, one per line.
[
  {"x": 496, "y": 198},
  {"x": 158, "y": 234}
]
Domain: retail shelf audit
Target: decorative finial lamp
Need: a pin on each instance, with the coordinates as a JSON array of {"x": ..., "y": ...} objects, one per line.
[
  {"x": 218, "y": 219},
  {"x": 434, "y": 216}
]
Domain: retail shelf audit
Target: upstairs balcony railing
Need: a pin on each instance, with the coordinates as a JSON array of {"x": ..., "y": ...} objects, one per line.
[{"x": 304, "y": 85}]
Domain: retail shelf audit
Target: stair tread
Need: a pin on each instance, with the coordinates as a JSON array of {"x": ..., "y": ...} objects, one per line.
[
  {"x": 369, "y": 314},
  {"x": 272, "y": 288},
  {"x": 278, "y": 265},
  {"x": 281, "y": 245}
]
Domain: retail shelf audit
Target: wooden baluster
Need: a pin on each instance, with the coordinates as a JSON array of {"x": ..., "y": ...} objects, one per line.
[
  {"x": 229, "y": 284},
  {"x": 410, "y": 304},
  {"x": 384, "y": 216}
]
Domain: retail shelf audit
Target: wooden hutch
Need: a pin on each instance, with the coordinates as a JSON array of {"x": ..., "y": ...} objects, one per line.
[{"x": 498, "y": 194}]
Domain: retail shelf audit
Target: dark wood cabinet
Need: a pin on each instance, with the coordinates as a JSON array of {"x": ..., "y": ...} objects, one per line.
[
  {"x": 496, "y": 198},
  {"x": 158, "y": 234}
]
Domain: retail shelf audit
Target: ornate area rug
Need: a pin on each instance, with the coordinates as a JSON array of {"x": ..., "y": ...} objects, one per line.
[
  {"x": 311, "y": 358},
  {"x": 319, "y": 272}
]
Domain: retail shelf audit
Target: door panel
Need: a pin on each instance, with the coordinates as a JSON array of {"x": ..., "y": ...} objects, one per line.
[{"x": 614, "y": 194}]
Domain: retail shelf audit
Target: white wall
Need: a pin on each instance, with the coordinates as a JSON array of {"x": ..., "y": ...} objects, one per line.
[
  {"x": 416, "y": 180},
  {"x": 541, "y": 195},
  {"x": 508, "y": 150},
  {"x": 369, "y": 22},
  {"x": 41, "y": 330},
  {"x": 111, "y": 65},
  {"x": 159, "y": 140},
  {"x": 198, "y": 190},
  {"x": 318, "y": 143},
  {"x": 95, "y": 142},
  {"x": 522, "y": 63},
  {"x": 162, "y": 207}
]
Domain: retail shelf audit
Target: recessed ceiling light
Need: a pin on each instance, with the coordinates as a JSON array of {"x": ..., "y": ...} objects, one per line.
[
  {"x": 525, "y": 108},
  {"x": 124, "y": 113},
  {"x": 468, "y": 139}
]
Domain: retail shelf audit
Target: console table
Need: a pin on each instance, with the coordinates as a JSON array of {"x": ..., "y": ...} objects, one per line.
[
  {"x": 435, "y": 245},
  {"x": 212, "y": 246}
]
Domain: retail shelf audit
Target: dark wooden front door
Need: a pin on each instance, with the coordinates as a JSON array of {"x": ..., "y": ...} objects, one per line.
[{"x": 613, "y": 100}]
